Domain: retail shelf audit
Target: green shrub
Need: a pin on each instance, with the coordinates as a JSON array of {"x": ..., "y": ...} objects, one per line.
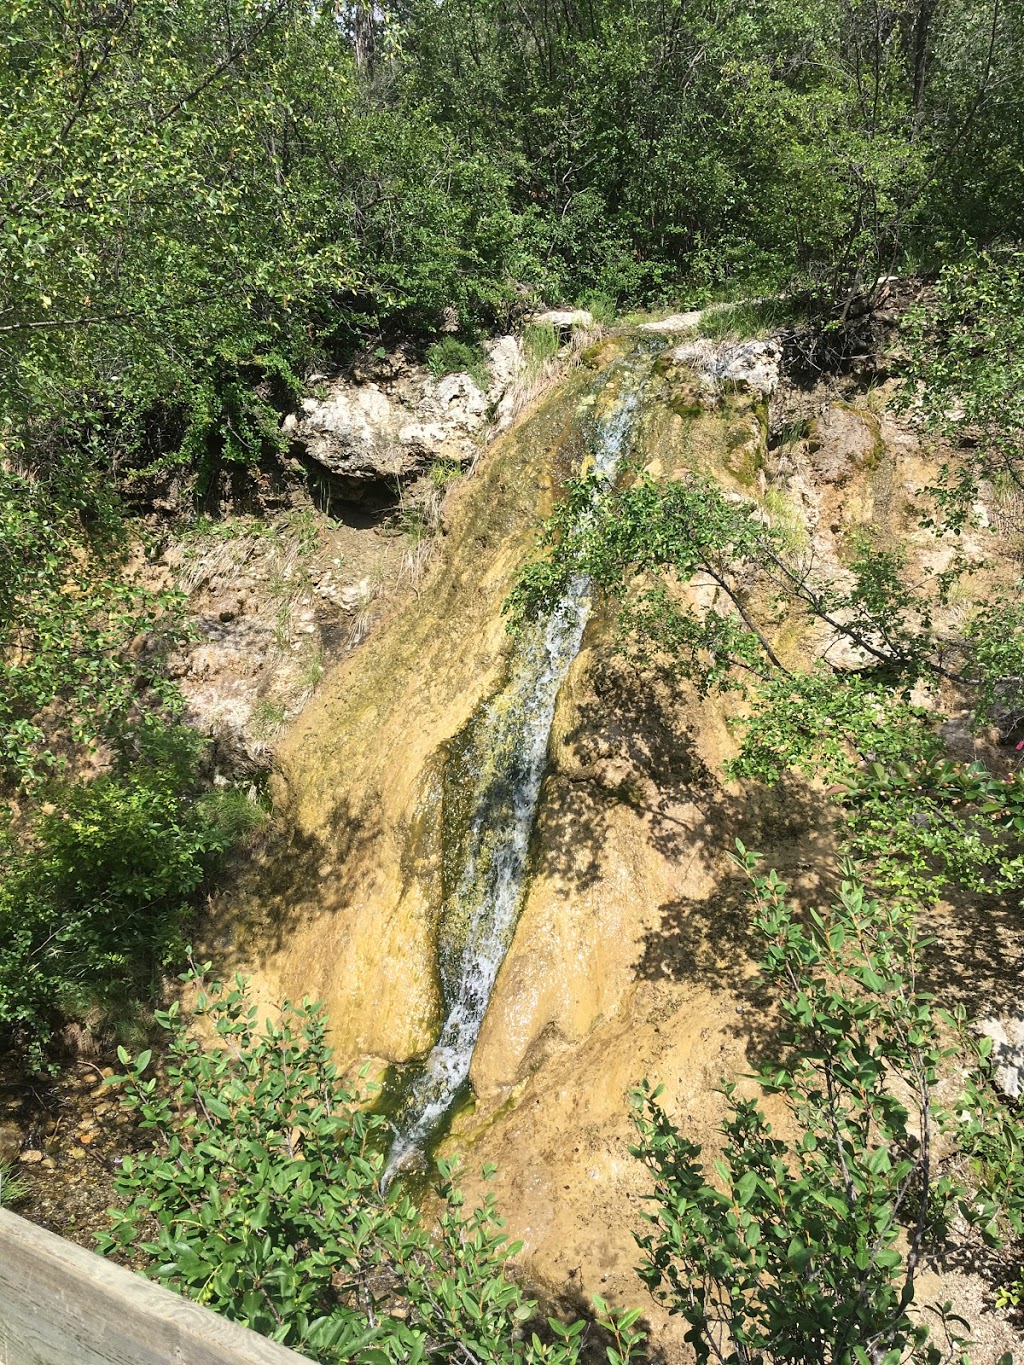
[
  {"x": 95, "y": 895},
  {"x": 261, "y": 1197},
  {"x": 966, "y": 369},
  {"x": 73, "y": 616},
  {"x": 806, "y": 1242},
  {"x": 450, "y": 356}
]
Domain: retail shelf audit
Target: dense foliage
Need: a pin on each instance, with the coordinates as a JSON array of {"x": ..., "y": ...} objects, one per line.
[
  {"x": 967, "y": 366},
  {"x": 806, "y": 1244},
  {"x": 731, "y": 139},
  {"x": 96, "y": 891},
  {"x": 203, "y": 200},
  {"x": 82, "y": 641},
  {"x": 106, "y": 832},
  {"x": 196, "y": 196},
  {"x": 261, "y": 1196}
]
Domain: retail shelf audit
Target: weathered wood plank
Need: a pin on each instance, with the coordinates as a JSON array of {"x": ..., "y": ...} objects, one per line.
[{"x": 63, "y": 1305}]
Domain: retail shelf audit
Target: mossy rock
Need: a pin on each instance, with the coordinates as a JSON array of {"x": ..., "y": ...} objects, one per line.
[
  {"x": 603, "y": 352},
  {"x": 745, "y": 466},
  {"x": 683, "y": 391},
  {"x": 844, "y": 441}
]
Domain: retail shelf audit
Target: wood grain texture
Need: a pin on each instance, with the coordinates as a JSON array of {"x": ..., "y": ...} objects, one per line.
[{"x": 63, "y": 1305}]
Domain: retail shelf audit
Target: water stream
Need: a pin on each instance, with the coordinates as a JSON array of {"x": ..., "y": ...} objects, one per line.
[{"x": 504, "y": 767}]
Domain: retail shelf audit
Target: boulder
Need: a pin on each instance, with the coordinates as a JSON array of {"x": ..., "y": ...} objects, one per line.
[
  {"x": 675, "y": 322},
  {"x": 753, "y": 365},
  {"x": 360, "y": 432},
  {"x": 1007, "y": 1034},
  {"x": 394, "y": 429},
  {"x": 10, "y": 1143},
  {"x": 564, "y": 320},
  {"x": 841, "y": 441}
]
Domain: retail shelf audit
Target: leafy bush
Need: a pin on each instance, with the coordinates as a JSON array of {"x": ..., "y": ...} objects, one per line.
[
  {"x": 966, "y": 366},
  {"x": 916, "y": 819},
  {"x": 450, "y": 356},
  {"x": 82, "y": 642},
  {"x": 95, "y": 894},
  {"x": 96, "y": 877},
  {"x": 261, "y": 1197},
  {"x": 806, "y": 1246},
  {"x": 177, "y": 258}
]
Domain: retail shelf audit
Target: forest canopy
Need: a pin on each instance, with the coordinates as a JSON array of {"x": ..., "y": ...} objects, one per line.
[{"x": 200, "y": 196}]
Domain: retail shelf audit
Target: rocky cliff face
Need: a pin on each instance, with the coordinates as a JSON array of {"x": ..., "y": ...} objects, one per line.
[
  {"x": 632, "y": 956},
  {"x": 340, "y": 537},
  {"x": 356, "y": 884},
  {"x": 399, "y": 419}
]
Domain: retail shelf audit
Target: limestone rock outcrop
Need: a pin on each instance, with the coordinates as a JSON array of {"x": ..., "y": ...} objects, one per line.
[
  {"x": 393, "y": 428},
  {"x": 753, "y": 364},
  {"x": 1007, "y": 1034},
  {"x": 564, "y": 320}
]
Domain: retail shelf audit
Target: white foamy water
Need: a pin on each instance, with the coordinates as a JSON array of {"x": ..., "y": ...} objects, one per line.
[{"x": 511, "y": 752}]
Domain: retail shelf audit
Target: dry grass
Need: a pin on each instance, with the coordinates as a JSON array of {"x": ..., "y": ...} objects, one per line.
[{"x": 278, "y": 558}]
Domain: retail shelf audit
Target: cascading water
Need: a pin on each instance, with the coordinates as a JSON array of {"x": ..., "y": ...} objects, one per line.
[{"x": 505, "y": 768}]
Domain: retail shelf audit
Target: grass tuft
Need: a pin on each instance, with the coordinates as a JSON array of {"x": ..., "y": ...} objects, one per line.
[
  {"x": 450, "y": 356},
  {"x": 13, "y": 1189},
  {"x": 748, "y": 320}
]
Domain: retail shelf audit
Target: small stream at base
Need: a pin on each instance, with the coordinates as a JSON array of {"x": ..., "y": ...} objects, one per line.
[{"x": 503, "y": 768}]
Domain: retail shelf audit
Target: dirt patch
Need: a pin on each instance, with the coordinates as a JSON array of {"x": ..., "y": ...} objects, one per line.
[{"x": 68, "y": 1135}]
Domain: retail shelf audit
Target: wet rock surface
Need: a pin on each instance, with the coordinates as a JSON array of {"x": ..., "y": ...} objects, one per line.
[{"x": 277, "y": 593}]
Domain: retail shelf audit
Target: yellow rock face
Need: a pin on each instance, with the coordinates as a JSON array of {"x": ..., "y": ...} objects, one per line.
[
  {"x": 633, "y": 955},
  {"x": 342, "y": 906},
  {"x": 632, "y": 959}
]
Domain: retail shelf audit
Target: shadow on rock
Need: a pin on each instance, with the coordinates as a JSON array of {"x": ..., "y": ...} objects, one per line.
[
  {"x": 645, "y": 743},
  {"x": 621, "y": 739},
  {"x": 287, "y": 876},
  {"x": 978, "y": 953}
]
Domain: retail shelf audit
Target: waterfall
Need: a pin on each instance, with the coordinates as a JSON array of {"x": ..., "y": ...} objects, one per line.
[{"x": 504, "y": 769}]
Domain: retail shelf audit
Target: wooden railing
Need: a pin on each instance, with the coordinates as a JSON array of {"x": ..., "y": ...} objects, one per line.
[{"x": 63, "y": 1305}]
